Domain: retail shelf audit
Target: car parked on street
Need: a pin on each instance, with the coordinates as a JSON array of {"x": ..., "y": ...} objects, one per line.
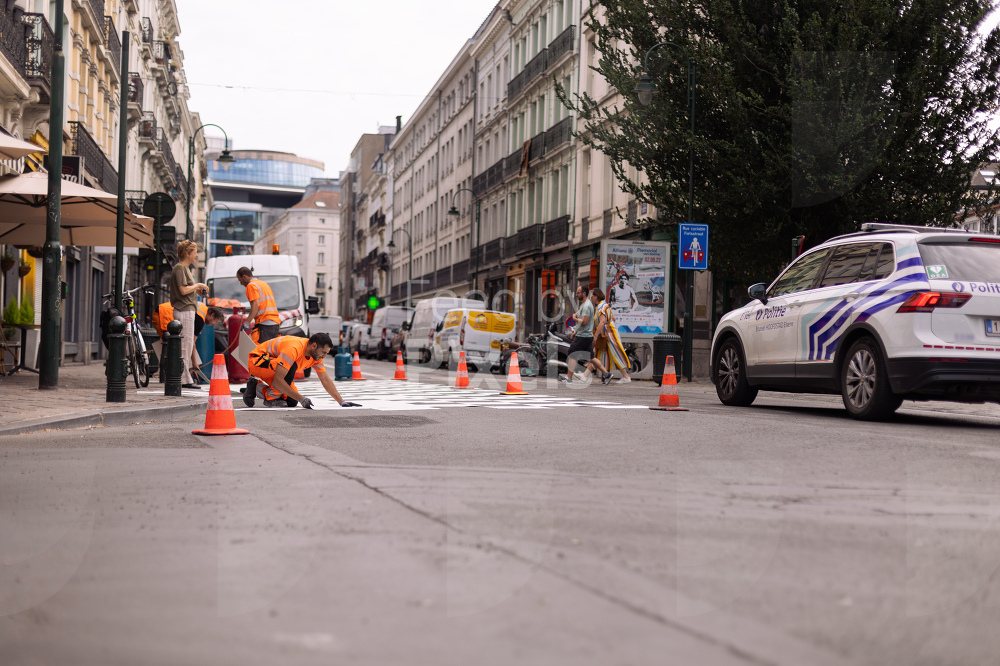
[
  {"x": 886, "y": 314},
  {"x": 479, "y": 333},
  {"x": 386, "y": 323}
]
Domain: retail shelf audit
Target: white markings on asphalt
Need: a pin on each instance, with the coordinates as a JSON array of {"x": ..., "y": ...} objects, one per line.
[{"x": 388, "y": 395}]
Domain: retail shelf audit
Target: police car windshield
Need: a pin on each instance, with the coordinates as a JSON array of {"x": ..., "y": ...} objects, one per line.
[
  {"x": 969, "y": 262},
  {"x": 285, "y": 288}
]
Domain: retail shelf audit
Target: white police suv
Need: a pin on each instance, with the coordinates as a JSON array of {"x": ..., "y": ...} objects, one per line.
[{"x": 889, "y": 313}]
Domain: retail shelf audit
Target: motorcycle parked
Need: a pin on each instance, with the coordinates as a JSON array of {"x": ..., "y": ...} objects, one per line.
[{"x": 537, "y": 353}]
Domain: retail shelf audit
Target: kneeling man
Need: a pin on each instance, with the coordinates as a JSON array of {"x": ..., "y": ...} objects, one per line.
[{"x": 275, "y": 363}]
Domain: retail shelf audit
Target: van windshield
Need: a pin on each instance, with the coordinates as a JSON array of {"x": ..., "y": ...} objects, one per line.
[
  {"x": 971, "y": 262},
  {"x": 285, "y": 288}
]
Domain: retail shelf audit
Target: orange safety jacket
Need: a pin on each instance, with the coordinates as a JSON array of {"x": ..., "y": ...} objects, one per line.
[
  {"x": 287, "y": 350},
  {"x": 267, "y": 309},
  {"x": 165, "y": 314}
]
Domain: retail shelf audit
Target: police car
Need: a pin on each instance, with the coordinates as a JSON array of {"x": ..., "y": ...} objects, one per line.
[{"x": 890, "y": 313}]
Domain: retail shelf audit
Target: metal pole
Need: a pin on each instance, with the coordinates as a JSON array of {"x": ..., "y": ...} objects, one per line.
[
  {"x": 157, "y": 259},
  {"x": 479, "y": 207},
  {"x": 122, "y": 154},
  {"x": 409, "y": 287},
  {"x": 187, "y": 186},
  {"x": 689, "y": 309},
  {"x": 48, "y": 356}
]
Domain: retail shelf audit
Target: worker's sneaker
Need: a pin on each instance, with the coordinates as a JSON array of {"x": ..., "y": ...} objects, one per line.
[
  {"x": 250, "y": 392},
  {"x": 277, "y": 402},
  {"x": 291, "y": 402}
]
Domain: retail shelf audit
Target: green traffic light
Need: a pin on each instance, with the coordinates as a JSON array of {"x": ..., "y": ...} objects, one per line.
[{"x": 374, "y": 302}]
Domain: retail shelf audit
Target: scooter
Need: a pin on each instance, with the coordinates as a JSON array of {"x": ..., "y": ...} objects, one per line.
[{"x": 537, "y": 354}]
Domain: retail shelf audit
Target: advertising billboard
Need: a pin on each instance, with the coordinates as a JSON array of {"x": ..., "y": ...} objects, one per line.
[{"x": 635, "y": 279}]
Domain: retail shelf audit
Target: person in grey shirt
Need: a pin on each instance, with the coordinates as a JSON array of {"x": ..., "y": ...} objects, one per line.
[
  {"x": 582, "y": 346},
  {"x": 184, "y": 299}
]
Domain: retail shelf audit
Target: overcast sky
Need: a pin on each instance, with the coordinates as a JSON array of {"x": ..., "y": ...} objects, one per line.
[{"x": 310, "y": 77}]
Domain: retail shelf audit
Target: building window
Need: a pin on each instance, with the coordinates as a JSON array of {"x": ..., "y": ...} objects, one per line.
[
  {"x": 321, "y": 240},
  {"x": 321, "y": 258},
  {"x": 321, "y": 280}
]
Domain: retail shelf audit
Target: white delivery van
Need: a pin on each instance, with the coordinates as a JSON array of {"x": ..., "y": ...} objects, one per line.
[
  {"x": 280, "y": 271},
  {"x": 478, "y": 332},
  {"x": 423, "y": 326},
  {"x": 386, "y": 322},
  {"x": 329, "y": 324}
]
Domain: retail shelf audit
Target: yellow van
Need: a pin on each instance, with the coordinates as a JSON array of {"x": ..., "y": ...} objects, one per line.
[{"x": 478, "y": 332}]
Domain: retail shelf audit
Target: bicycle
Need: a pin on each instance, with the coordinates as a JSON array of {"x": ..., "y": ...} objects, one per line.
[{"x": 135, "y": 346}]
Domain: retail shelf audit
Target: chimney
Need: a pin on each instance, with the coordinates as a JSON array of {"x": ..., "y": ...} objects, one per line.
[{"x": 399, "y": 124}]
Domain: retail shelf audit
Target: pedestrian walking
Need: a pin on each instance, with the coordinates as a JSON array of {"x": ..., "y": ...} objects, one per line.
[
  {"x": 582, "y": 337},
  {"x": 184, "y": 300},
  {"x": 274, "y": 363},
  {"x": 263, "y": 320},
  {"x": 609, "y": 352}
]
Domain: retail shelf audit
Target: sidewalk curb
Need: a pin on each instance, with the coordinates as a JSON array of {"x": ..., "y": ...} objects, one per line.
[{"x": 108, "y": 417}]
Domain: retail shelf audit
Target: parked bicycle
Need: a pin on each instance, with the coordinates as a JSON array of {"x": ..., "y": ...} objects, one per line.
[{"x": 135, "y": 347}]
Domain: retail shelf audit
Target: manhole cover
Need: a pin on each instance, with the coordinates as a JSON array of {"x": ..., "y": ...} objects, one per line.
[{"x": 360, "y": 421}]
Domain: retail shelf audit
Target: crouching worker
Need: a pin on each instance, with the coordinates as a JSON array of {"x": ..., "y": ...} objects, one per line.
[{"x": 274, "y": 363}]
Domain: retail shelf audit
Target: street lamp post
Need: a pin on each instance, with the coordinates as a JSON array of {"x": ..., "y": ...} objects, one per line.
[
  {"x": 225, "y": 160},
  {"x": 646, "y": 89},
  {"x": 454, "y": 215},
  {"x": 409, "y": 243}
]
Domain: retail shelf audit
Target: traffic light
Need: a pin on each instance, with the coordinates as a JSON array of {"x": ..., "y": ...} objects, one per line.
[{"x": 374, "y": 303}]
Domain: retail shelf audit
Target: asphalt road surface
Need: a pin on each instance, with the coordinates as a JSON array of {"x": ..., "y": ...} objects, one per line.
[{"x": 437, "y": 526}]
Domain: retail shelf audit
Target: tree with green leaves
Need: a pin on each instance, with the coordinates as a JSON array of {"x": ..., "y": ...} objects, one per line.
[{"x": 813, "y": 116}]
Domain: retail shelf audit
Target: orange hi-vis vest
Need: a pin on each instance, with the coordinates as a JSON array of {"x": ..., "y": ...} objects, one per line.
[
  {"x": 165, "y": 315},
  {"x": 267, "y": 309},
  {"x": 288, "y": 350}
]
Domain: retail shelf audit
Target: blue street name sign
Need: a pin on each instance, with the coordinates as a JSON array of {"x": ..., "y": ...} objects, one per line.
[{"x": 693, "y": 247}]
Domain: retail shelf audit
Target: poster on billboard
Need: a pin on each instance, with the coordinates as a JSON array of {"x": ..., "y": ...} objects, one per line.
[{"x": 635, "y": 281}]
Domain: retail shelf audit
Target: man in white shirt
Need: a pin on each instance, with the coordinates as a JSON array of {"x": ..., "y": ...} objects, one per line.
[{"x": 622, "y": 296}]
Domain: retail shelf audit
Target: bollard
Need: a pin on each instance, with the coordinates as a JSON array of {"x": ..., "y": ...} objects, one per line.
[
  {"x": 172, "y": 362},
  {"x": 117, "y": 366}
]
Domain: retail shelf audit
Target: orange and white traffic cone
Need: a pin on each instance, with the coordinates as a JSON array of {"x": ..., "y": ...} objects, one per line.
[
  {"x": 400, "y": 367},
  {"x": 462, "y": 378},
  {"x": 514, "y": 377},
  {"x": 669, "y": 400},
  {"x": 220, "y": 419},
  {"x": 356, "y": 369}
]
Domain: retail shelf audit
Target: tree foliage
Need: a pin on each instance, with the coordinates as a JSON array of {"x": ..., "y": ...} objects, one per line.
[{"x": 812, "y": 115}]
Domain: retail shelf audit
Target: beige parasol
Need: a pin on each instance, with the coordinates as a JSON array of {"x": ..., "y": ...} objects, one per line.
[{"x": 15, "y": 149}]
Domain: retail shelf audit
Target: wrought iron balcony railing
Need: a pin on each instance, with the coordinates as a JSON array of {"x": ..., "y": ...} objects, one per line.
[
  {"x": 95, "y": 162},
  {"x": 536, "y": 66},
  {"x": 113, "y": 41},
  {"x": 609, "y": 218},
  {"x": 163, "y": 146},
  {"x": 516, "y": 85},
  {"x": 492, "y": 251},
  {"x": 40, "y": 46},
  {"x": 557, "y": 230},
  {"x": 512, "y": 165},
  {"x": 147, "y": 126},
  {"x": 135, "y": 88},
  {"x": 147, "y": 30},
  {"x": 12, "y": 38},
  {"x": 584, "y": 230},
  {"x": 443, "y": 277},
  {"x": 479, "y": 183},
  {"x": 134, "y": 199},
  {"x": 562, "y": 44},
  {"x": 633, "y": 213},
  {"x": 559, "y": 134},
  {"x": 98, "y": 7},
  {"x": 182, "y": 182},
  {"x": 537, "y": 147},
  {"x": 460, "y": 271},
  {"x": 161, "y": 52},
  {"x": 526, "y": 240}
]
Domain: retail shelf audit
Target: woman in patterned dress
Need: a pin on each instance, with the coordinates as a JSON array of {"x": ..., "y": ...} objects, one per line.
[{"x": 612, "y": 353}]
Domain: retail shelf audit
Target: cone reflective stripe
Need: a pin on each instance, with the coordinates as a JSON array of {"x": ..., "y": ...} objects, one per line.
[
  {"x": 220, "y": 419},
  {"x": 356, "y": 366},
  {"x": 400, "y": 367},
  {"x": 514, "y": 377},
  {"x": 669, "y": 400},
  {"x": 462, "y": 378}
]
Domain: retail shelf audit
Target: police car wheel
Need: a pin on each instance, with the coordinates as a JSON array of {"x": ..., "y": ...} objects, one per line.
[
  {"x": 731, "y": 376},
  {"x": 864, "y": 383}
]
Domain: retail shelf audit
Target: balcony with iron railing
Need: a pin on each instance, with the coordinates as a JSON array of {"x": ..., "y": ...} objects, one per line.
[
  {"x": 537, "y": 149},
  {"x": 609, "y": 218},
  {"x": 516, "y": 86},
  {"x": 443, "y": 277},
  {"x": 492, "y": 251},
  {"x": 135, "y": 199},
  {"x": 536, "y": 67},
  {"x": 113, "y": 42},
  {"x": 460, "y": 271},
  {"x": 147, "y": 127},
  {"x": 557, "y": 231},
  {"x": 559, "y": 134},
  {"x": 524, "y": 241},
  {"x": 512, "y": 165},
  {"x": 181, "y": 180},
  {"x": 135, "y": 92},
  {"x": 561, "y": 45},
  {"x": 98, "y": 8},
  {"x": 13, "y": 44},
  {"x": 94, "y": 160},
  {"x": 40, "y": 44},
  {"x": 584, "y": 230}
]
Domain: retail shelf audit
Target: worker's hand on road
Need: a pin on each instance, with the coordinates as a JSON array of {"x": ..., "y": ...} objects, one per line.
[
  {"x": 349, "y": 404},
  {"x": 307, "y": 403}
]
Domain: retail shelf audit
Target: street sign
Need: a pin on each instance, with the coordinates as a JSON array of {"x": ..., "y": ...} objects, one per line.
[
  {"x": 693, "y": 244},
  {"x": 159, "y": 206}
]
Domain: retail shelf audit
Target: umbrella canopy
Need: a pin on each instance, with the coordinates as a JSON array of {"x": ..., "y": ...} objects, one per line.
[
  {"x": 138, "y": 233},
  {"x": 15, "y": 149},
  {"x": 24, "y": 199}
]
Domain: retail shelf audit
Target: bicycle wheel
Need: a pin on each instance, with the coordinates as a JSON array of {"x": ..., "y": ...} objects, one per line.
[
  {"x": 141, "y": 366},
  {"x": 130, "y": 356}
]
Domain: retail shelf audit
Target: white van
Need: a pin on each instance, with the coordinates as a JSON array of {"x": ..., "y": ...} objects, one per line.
[
  {"x": 423, "y": 327},
  {"x": 477, "y": 332},
  {"x": 279, "y": 271},
  {"x": 386, "y": 322}
]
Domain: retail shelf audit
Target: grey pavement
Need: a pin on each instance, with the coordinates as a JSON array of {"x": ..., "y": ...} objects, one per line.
[
  {"x": 80, "y": 401},
  {"x": 783, "y": 533}
]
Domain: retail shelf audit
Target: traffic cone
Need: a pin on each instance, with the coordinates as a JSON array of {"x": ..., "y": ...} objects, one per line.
[
  {"x": 669, "y": 400},
  {"x": 220, "y": 419},
  {"x": 462, "y": 378},
  {"x": 400, "y": 367},
  {"x": 356, "y": 367},
  {"x": 514, "y": 377}
]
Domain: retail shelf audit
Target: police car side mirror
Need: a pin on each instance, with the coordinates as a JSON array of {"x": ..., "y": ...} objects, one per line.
[{"x": 758, "y": 292}]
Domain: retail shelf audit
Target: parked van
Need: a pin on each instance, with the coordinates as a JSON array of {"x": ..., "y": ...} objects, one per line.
[
  {"x": 478, "y": 332},
  {"x": 423, "y": 326},
  {"x": 386, "y": 323},
  {"x": 329, "y": 324}
]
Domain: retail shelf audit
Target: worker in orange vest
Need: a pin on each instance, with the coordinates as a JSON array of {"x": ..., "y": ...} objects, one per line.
[
  {"x": 275, "y": 362},
  {"x": 263, "y": 319},
  {"x": 204, "y": 314}
]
